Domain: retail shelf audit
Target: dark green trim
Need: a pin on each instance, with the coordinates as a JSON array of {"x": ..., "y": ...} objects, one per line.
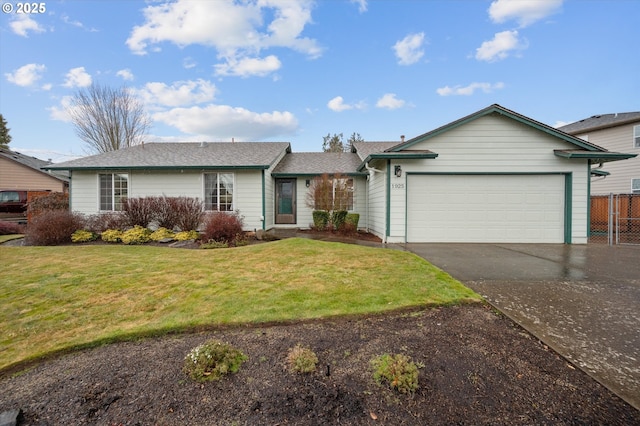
[
  {"x": 568, "y": 207},
  {"x": 497, "y": 109},
  {"x": 589, "y": 201},
  {"x": 406, "y": 155},
  {"x": 296, "y": 175},
  {"x": 388, "y": 201},
  {"x": 255, "y": 167},
  {"x": 594, "y": 157},
  {"x": 264, "y": 207},
  {"x": 598, "y": 172}
]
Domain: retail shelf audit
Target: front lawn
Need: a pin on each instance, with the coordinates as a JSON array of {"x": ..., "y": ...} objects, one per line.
[{"x": 57, "y": 298}]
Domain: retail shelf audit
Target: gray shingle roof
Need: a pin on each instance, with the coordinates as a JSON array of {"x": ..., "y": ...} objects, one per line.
[
  {"x": 318, "y": 163},
  {"x": 184, "y": 155},
  {"x": 601, "y": 122},
  {"x": 32, "y": 162},
  {"x": 364, "y": 149}
]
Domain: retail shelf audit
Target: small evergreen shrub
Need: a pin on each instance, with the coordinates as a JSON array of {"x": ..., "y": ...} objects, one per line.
[
  {"x": 353, "y": 219},
  {"x": 52, "y": 227},
  {"x": 301, "y": 359},
  {"x": 211, "y": 244},
  {"x": 83, "y": 236},
  {"x": 337, "y": 218},
  {"x": 186, "y": 235},
  {"x": 320, "y": 219},
  {"x": 212, "y": 360},
  {"x": 136, "y": 235},
  {"x": 397, "y": 371},
  {"x": 161, "y": 234},
  {"x": 111, "y": 236},
  {"x": 223, "y": 227},
  {"x": 10, "y": 228}
]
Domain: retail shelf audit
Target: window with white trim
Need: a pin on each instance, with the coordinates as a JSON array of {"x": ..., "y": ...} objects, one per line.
[
  {"x": 114, "y": 187},
  {"x": 635, "y": 186},
  {"x": 636, "y": 136},
  {"x": 338, "y": 197},
  {"x": 218, "y": 191}
]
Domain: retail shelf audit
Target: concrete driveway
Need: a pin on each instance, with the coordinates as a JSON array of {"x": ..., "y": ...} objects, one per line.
[{"x": 581, "y": 300}]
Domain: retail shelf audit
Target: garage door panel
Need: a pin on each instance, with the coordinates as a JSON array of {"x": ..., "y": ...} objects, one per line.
[{"x": 485, "y": 208}]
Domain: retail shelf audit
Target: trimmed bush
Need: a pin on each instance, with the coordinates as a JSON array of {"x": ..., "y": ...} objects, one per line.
[
  {"x": 112, "y": 236},
  {"x": 10, "y": 228},
  {"x": 353, "y": 219},
  {"x": 83, "y": 236},
  {"x": 139, "y": 211},
  {"x": 136, "y": 235},
  {"x": 212, "y": 360},
  {"x": 186, "y": 235},
  {"x": 302, "y": 360},
  {"x": 397, "y": 371},
  {"x": 48, "y": 202},
  {"x": 337, "y": 218},
  {"x": 161, "y": 234},
  {"x": 320, "y": 219},
  {"x": 52, "y": 227},
  {"x": 223, "y": 227}
]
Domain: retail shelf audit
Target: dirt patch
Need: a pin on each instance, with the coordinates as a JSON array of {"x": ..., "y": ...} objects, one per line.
[{"x": 479, "y": 368}]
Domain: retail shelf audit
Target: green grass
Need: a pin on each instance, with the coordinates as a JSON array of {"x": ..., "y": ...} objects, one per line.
[
  {"x": 5, "y": 238},
  {"x": 59, "y": 298}
]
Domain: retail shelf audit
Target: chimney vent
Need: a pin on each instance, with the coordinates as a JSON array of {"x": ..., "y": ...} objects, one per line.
[{"x": 402, "y": 138}]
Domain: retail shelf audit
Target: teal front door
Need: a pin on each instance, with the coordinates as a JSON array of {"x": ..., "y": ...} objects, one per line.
[{"x": 285, "y": 201}]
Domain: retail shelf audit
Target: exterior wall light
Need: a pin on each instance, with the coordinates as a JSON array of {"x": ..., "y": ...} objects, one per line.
[
  {"x": 398, "y": 171},
  {"x": 308, "y": 183}
]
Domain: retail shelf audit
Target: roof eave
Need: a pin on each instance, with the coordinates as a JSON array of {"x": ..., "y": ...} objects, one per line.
[
  {"x": 405, "y": 155},
  {"x": 594, "y": 157},
  {"x": 125, "y": 167}
]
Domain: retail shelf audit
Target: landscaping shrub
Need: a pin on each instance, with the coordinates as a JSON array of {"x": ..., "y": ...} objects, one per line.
[
  {"x": 211, "y": 244},
  {"x": 9, "y": 228},
  {"x": 320, "y": 219},
  {"x": 161, "y": 234},
  {"x": 337, "y": 218},
  {"x": 212, "y": 360},
  {"x": 52, "y": 227},
  {"x": 186, "y": 235},
  {"x": 301, "y": 359},
  {"x": 397, "y": 371},
  {"x": 353, "y": 219},
  {"x": 83, "y": 236},
  {"x": 101, "y": 222},
  {"x": 136, "y": 235},
  {"x": 139, "y": 211},
  {"x": 47, "y": 202},
  {"x": 223, "y": 227},
  {"x": 190, "y": 213},
  {"x": 112, "y": 236}
]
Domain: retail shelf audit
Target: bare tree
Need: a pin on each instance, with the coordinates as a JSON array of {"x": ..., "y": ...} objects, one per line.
[{"x": 108, "y": 119}]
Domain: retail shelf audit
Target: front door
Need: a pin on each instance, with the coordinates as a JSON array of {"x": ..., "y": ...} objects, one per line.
[{"x": 285, "y": 201}]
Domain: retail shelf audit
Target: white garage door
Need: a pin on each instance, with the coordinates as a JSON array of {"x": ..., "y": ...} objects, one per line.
[{"x": 485, "y": 208}]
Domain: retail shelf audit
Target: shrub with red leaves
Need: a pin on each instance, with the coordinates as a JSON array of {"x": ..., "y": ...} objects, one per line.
[
  {"x": 9, "y": 228},
  {"x": 223, "y": 227},
  {"x": 52, "y": 227}
]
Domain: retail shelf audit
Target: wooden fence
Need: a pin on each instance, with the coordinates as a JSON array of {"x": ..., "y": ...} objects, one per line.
[{"x": 615, "y": 218}]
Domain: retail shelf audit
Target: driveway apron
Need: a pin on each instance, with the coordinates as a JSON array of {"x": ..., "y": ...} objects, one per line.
[{"x": 581, "y": 300}]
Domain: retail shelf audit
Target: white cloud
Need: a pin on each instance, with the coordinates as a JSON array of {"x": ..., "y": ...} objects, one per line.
[
  {"x": 246, "y": 67},
  {"x": 362, "y": 5},
  {"x": 226, "y": 122},
  {"x": 235, "y": 30},
  {"x": 23, "y": 24},
  {"x": 77, "y": 77},
  {"x": 409, "y": 49},
  {"x": 178, "y": 94},
  {"x": 337, "y": 104},
  {"x": 26, "y": 75},
  {"x": 470, "y": 89},
  {"x": 126, "y": 74},
  {"x": 500, "y": 47},
  {"x": 189, "y": 62},
  {"x": 389, "y": 101},
  {"x": 59, "y": 112},
  {"x": 526, "y": 12}
]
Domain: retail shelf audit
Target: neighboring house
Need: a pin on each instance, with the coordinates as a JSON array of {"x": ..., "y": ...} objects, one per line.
[
  {"x": 493, "y": 176},
  {"x": 18, "y": 171},
  {"x": 615, "y": 132}
]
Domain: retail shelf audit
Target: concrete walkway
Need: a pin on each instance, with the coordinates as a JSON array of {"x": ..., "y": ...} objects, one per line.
[{"x": 581, "y": 300}]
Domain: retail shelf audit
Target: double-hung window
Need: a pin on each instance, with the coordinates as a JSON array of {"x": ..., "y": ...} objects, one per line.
[
  {"x": 218, "y": 191},
  {"x": 343, "y": 194},
  {"x": 114, "y": 188},
  {"x": 635, "y": 186},
  {"x": 636, "y": 136}
]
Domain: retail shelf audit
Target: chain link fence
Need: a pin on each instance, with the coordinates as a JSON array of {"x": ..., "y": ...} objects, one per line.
[{"x": 615, "y": 219}]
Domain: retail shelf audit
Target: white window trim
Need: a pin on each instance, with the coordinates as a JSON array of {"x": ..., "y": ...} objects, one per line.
[
  {"x": 635, "y": 185},
  {"x": 233, "y": 194},
  {"x": 113, "y": 190},
  {"x": 636, "y": 136}
]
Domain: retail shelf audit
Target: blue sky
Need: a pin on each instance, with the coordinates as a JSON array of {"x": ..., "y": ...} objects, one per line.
[{"x": 283, "y": 70}]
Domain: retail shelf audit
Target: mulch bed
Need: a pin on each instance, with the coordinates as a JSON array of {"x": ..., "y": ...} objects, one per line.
[{"x": 478, "y": 368}]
